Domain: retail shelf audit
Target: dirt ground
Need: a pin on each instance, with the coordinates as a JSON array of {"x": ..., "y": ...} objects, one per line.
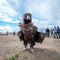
[{"x": 48, "y": 50}]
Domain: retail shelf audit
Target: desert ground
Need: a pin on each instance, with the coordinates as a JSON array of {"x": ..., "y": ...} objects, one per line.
[{"x": 48, "y": 50}]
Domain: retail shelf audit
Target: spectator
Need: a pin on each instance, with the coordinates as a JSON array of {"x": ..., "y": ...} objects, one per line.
[
  {"x": 58, "y": 32},
  {"x": 14, "y": 33},
  {"x": 55, "y": 32},
  {"x": 7, "y": 33},
  {"x": 47, "y": 32},
  {"x": 51, "y": 32}
]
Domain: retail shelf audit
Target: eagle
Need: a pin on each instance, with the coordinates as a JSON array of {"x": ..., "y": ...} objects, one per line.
[{"x": 29, "y": 33}]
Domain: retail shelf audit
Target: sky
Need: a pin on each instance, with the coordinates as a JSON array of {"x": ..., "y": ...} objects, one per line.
[{"x": 45, "y": 13}]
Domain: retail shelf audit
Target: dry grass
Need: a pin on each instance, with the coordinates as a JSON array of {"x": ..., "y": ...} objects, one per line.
[{"x": 11, "y": 48}]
